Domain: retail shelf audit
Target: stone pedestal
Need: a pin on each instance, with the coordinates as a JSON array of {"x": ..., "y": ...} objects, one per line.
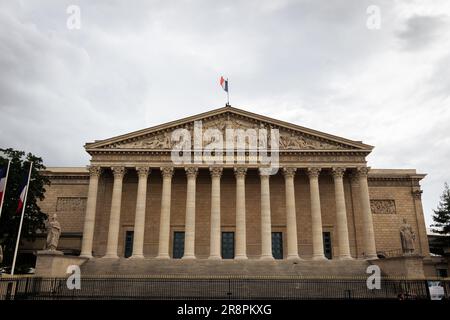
[
  {"x": 54, "y": 263},
  {"x": 408, "y": 266}
]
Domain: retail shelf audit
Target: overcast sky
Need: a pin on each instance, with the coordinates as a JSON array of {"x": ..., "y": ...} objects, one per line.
[{"x": 135, "y": 64}]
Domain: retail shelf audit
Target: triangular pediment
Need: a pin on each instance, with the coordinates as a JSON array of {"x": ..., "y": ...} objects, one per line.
[{"x": 291, "y": 136}]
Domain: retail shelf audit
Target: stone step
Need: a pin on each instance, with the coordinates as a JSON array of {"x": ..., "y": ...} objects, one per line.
[{"x": 200, "y": 267}]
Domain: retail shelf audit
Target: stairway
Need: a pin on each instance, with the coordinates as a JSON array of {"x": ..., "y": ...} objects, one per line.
[{"x": 204, "y": 268}]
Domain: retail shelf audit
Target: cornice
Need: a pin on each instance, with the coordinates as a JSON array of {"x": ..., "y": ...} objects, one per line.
[{"x": 281, "y": 152}]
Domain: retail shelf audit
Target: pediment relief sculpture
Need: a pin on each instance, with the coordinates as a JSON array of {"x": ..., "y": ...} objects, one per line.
[
  {"x": 288, "y": 140},
  {"x": 157, "y": 141},
  {"x": 292, "y": 141}
]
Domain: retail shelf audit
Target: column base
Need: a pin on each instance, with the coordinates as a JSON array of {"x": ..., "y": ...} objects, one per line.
[
  {"x": 319, "y": 258},
  {"x": 163, "y": 257},
  {"x": 371, "y": 257},
  {"x": 110, "y": 256},
  {"x": 87, "y": 256},
  {"x": 214, "y": 258},
  {"x": 241, "y": 257},
  {"x": 267, "y": 258},
  {"x": 345, "y": 258},
  {"x": 293, "y": 258},
  {"x": 189, "y": 257},
  {"x": 136, "y": 256}
]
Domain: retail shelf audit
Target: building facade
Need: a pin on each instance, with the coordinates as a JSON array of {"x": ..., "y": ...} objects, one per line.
[{"x": 321, "y": 202}]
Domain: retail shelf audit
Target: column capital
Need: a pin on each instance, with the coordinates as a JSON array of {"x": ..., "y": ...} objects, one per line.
[
  {"x": 240, "y": 172},
  {"x": 191, "y": 172},
  {"x": 362, "y": 172},
  {"x": 143, "y": 171},
  {"x": 216, "y": 172},
  {"x": 95, "y": 171},
  {"x": 338, "y": 172},
  {"x": 118, "y": 172},
  {"x": 289, "y": 172},
  {"x": 167, "y": 172},
  {"x": 313, "y": 172},
  {"x": 263, "y": 173}
]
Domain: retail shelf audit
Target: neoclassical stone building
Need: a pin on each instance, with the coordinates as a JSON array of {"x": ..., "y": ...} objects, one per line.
[{"x": 324, "y": 202}]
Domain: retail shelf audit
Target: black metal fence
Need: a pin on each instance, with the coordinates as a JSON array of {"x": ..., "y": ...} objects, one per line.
[{"x": 35, "y": 288}]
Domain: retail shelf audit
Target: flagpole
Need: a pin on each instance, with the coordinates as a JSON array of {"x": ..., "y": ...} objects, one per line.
[
  {"x": 21, "y": 221},
  {"x": 228, "y": 92},
  {"x": 4, "y": 189}
]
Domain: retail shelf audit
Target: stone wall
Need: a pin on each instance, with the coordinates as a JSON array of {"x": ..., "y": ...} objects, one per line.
[{"x": 67, "y": 198}]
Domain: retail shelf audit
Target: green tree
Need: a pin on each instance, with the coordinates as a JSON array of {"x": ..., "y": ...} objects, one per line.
[
  {"x": 34, "y": 218},
  {"x": 441, "y": 216}
]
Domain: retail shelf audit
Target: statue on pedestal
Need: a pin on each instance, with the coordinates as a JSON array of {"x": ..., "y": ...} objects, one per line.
[
  {"x": 407, "y": 237},
  {"x": 53, "y": 233}
]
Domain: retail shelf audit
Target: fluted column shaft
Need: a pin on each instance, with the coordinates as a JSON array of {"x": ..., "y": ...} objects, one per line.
[
  {"x": 341, "y": 214},
  {"x": 216, "y": 174},
  {"x": 189, "y": 240},
  {"x": 266, "y": 224},
  {"x": 139, "y": 220},
  {"x": 114, "y": 218},
  {"x": 241, "y": 236},
  {"x": 164, "y": 223},
  {"x": 291, "y": 216},
  {"x": 316, "y": 214},
  {"x": 368, "y": 235},
  {"x": 89, "y": 219}
]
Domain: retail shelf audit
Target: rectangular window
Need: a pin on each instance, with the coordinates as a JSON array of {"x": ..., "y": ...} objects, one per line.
[
  {"x": 277, "y": 245},
  {"x": 227, "y": 245},
  {"x": 327, "y": 245},
  {"x": 129, "y": 235},
  {"x": 178, "y": 244}
]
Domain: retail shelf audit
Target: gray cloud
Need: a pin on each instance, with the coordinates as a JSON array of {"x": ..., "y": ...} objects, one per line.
[
  {"x": 314, "y": 63},
  {"x": 421, "y": 31}
]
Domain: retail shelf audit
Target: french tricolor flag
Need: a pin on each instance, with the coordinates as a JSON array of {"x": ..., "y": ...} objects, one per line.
[
  {"x": 224, "y": 84},
  {"x": 23, "y": 194},
  {"x": 3, "y": 177}
]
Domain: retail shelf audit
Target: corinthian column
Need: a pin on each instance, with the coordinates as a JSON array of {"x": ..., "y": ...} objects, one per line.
[
  {"x": 164, "y": 223},
  {"x": 266, "y": 224},
  {"x": 114, "y": 217},
  {"x": 291, "y": 217},
  {"x": 316, "y": 214},
  {"x": 139, "y": 220},
  {"x": 341, "y": 214},
  {"x": 89, "y": 219},
  {"x": 215, "y": 253},
  {"x": 370, "y": 250},
  {"x": 241, "y": 242},
  {"x": 189, "y": 240}
]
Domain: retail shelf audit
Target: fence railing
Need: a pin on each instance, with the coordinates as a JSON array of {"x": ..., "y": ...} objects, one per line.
[{"x": 35, "y": 288}]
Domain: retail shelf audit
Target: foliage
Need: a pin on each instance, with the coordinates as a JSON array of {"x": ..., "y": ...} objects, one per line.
[
  {"x": 34, "y": 218},
  {"x": 441, "y": 216}
]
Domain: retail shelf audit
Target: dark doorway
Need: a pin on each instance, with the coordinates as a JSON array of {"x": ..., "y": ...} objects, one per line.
[
  {"x": 178, "y": 244},
  {"x": 327, "y": 245},
  {"x": 129, "y": 235},
  {"x": 277, "y": 245},
  {"x": 227, "y": 245}
]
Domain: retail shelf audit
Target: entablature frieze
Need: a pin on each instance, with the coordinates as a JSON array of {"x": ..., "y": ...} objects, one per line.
[{"x": 307, "y": 158}]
